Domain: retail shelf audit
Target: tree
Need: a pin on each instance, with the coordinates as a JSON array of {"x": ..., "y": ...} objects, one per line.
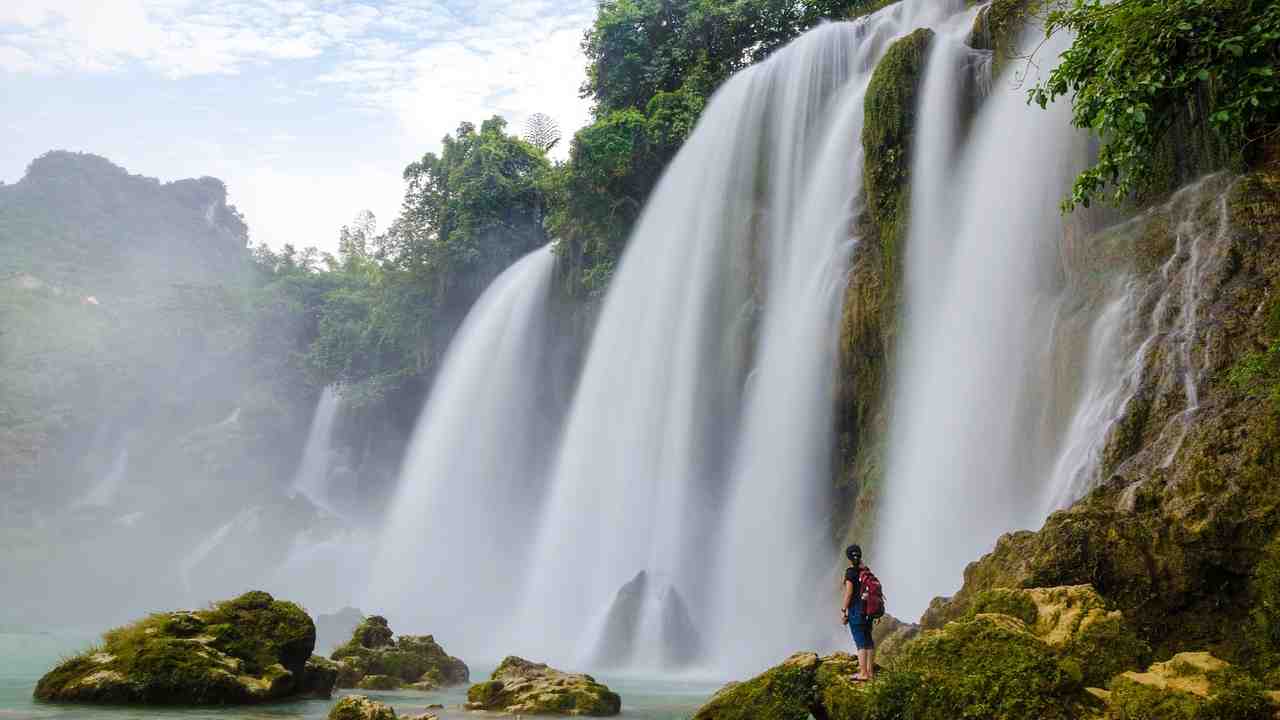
[
  {"x": 541, "y": 131},
  {"x": 1135, "y": 63}
]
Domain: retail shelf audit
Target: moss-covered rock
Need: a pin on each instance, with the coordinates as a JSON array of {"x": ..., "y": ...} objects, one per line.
[
  {"x": 868, "y": 325},
  {"x": 318, "y": 677},
  {"x": 1190, "y": 686},
  {"x": 374, "y": 659},
  {"x": 247, "y": 650},
  {"x": 521, "y": 687},
  {"x": 359, "y": 707},
  {"x": 786, "y": 692}
]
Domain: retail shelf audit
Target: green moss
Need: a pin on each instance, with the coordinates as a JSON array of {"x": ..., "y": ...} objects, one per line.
[
  {"x": 889, "y": 123},
  {"x": 249, "y": 649},
  {"x": 1233, "y": 696},
  {"x": 1006, "y": 602},
  {"x": 786, "y": 692},
  {"x": 379, "y": 682},
  {"x": 1104, "y": 649},
  {"x": 987, "y": 668},
  {"x": 359, "y": 707},
  {"x": 373, "y": 650}
]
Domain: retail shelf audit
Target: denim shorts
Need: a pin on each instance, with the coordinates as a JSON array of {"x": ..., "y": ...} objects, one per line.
[{"x": 860, "y": 629}]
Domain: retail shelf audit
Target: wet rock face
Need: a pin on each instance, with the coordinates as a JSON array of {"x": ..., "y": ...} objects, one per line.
[
  {"x": 375, "y": 660},
  {"x": 521, "y": 687},
  {"x": 247, "y": 650},
  {"x": 617, "y": 641}
]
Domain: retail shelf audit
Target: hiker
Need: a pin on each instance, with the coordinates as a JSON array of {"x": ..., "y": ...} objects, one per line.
[{"x": 863, "y": 605}]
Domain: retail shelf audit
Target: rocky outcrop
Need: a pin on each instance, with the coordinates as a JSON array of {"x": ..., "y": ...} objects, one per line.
[
  {"x": 374, "y": 659},
  {"x": 248, "y": 650},
  {"x": 617, "y": 641},
  {"x": 318, "y": 677},
  {"x": 868, "y": 324},
  {"x": 521, "y": 687},
  {"x": 1018, "y": 654}
]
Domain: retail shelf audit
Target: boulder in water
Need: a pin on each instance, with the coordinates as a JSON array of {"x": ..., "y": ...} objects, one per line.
[
  {"x": 374, "y": 659},
  {"x": 359, "y": 707},
  {"x": 681, "y": 643},
  {"x": 621, "y": 625},
  {"x": 521, "y": 687},
  {"x": 318, "y": 677},
  {"x": 248, "y": 650}
]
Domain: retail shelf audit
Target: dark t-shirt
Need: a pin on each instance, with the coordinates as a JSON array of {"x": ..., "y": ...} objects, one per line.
[{"x": 855, "y": 605}]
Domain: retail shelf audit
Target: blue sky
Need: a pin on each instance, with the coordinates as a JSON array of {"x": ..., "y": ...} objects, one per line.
[{"x": 308, "y": 109}]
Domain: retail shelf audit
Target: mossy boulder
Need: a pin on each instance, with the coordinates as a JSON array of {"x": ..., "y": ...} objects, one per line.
[
  {"x": 786, "y": 692},
  {"x": 359, "y": 707},
  {"x": 1190, "y": 686},
  {"x": 374, "y": 659},
  {"x": 247, "y": 650},
  {"x": 998, "y": 26},
  {"x": 521, "y": 687},
  {"x": 318, "y": 677}
]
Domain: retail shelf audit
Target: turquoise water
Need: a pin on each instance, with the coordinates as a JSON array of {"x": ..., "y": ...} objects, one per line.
[{"x": 25, "y": 656}]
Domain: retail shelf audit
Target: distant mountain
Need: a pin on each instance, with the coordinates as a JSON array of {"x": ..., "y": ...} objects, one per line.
[{"x": 78, "y": 220}]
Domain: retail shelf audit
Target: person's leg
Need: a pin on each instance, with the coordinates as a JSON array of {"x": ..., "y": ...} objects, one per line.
[
  {"x": 870, "y": 672},
  {"x": 863, "y": 659}
]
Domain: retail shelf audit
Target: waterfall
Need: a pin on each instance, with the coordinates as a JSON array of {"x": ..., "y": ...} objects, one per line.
[
  {"x": 450, "y": 556},
  {"x": 312, "y": 476},
  {"x": 668, "y": 465},
  {"x": 104, "y": 491}
]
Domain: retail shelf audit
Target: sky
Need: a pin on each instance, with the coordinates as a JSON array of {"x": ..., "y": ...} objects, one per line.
[{"x": 308, "y": 109}]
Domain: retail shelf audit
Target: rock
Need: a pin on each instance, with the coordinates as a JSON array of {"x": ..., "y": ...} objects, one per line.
[
  {"x": 618, "y": 638},
  {"x": 334, "y": 629},
  {"x": 373, "y": 658},
  {"x": 990, "y": 665},
  {"x": 891, "y": 635},
  {"x": 248, "y": 650},
  {"x": 1190, "y": 686},
  {"x": 681, "y": 642},
  {"x": 359, "y": 707},
  {"x": 521, "y": 687},
  {"x": 379, "y": 682},
  {"x": 318, "y": 677},
  {"x": 786, "y": 692},
  {"x": 1075, "y": 622}
]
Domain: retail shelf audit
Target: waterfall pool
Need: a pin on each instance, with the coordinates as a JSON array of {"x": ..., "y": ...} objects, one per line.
[{"x": 27, "y": 654}]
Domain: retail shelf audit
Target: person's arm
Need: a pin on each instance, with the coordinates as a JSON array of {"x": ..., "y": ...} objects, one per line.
[{"x": 848, "y": 599}]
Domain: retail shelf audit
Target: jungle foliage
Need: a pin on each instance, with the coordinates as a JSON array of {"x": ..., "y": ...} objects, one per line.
[{"x": 1136, "y": 64}]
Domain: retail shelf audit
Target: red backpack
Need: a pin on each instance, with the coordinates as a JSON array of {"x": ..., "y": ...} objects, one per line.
[{"x": 872, "y": 595}]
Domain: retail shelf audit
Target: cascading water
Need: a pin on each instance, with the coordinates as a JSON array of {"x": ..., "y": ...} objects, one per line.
[
  {"x": 983, "y": 287},
  {"x": 667, "y": 466},
  {"x": 104, "y": 491},
  {"x": 312, "y": 477},
  {"x": 450, "y": 555}
]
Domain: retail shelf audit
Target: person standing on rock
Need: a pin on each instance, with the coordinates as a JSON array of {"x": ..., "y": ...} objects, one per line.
[{"x": 854, "y": 612}]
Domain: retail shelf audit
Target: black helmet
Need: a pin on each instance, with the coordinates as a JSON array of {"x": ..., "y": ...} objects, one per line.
[{"x": 854, "y": 553}]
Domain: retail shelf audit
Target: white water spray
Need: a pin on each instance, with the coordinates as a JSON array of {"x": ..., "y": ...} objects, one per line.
[
  {"x": 312, "y": 477},
  {"x": 449, "y": 561}
]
